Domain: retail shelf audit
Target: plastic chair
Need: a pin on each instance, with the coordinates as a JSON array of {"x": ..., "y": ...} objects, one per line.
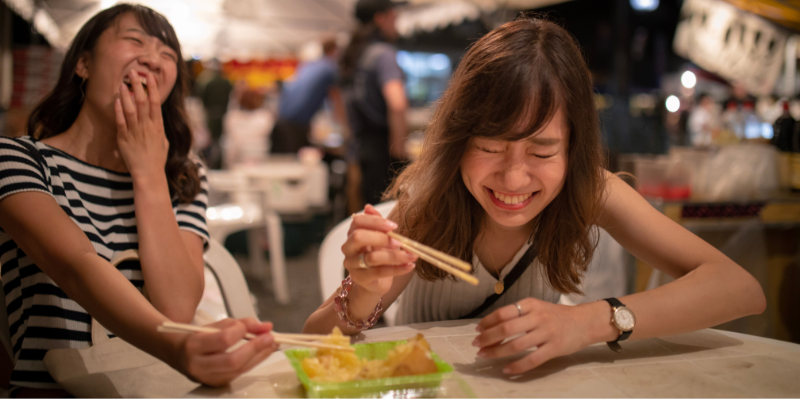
[
  {"x": 249, "y": 210},
  {"x": 331, "y": 260},
  {"x": 232, "y": 283}
]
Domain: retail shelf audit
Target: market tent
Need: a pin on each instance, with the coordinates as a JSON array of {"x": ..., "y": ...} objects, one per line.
[{"x": 248, "y": 29}]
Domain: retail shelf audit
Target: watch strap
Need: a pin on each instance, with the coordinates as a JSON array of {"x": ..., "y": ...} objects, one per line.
[{"x": 615, "y": 303}]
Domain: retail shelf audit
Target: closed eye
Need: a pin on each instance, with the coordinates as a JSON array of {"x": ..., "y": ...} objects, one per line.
[
  {"x": 545, "y": 156},
  {"x": 135, "y": 40},
  {"x": 488, "y": 150}
]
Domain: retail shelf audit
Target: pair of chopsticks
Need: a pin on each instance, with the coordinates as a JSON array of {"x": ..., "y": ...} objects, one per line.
[
  {"x": 443, "y": 261},
  {"x": 295, "y": 339}
]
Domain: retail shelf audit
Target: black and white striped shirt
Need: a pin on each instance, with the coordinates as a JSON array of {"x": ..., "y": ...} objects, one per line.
[{"x": 40, "y": 315}]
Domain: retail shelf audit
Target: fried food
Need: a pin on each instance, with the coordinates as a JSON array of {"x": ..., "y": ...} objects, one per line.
[{"x": 412, "y": 358}]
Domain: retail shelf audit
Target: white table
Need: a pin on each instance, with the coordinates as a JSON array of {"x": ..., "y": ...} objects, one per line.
[{"x": 706, "y": 363}]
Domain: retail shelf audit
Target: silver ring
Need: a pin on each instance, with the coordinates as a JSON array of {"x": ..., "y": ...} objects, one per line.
[
  {"x": 519, "y": 309},
  {"x": 361, "y": 263}
]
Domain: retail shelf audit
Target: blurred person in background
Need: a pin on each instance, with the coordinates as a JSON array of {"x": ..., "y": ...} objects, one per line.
[
  {"x": 375, "y": 97},
  {"x": 215, "y": 91},
  {"x": 246, "y": 130},
  {"x": 703, "y": 123},
  {"x": 303, "y": 97}
]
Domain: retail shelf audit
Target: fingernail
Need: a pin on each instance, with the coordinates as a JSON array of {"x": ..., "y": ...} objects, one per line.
[
  {"x": 506, "y": 370},
  {"x": 482, "y": 354},
  {"x": 475, "y": 342},
  {"x": 391, "y": 224},
  {"x": 394, "y": 243},
  {"x": 479, "y": 328}
]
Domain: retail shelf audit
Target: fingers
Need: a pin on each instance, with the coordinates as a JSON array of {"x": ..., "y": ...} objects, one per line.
[
  {"x": 221, "y": 368},
  {"x": 371, "y": 222},
  {"x": 361, "y": 238},
  {"x": 154, "y": 98},
  {"x": 231, "y": 332},
  {"x": 497, "y": 317},
  {"x": 525, "y": 342},
  {"x": 370, "y": 209},
  {"x": 119, "y": 114},
  {"x": 389, "y": 257},
  {"x": 254, "y": 326},
  {"x": 139, "y": 95},
  {"x": 382, "y": 271},
  {"x": 498, "y": 333},
  {"x": 129, "y": 108},
  {"x": 531, "y": 361}
]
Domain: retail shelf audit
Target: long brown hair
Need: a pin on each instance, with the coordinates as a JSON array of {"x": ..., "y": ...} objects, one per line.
[
  {"x": 59, "y": 110},
  {"x": 509, "y": 85}
]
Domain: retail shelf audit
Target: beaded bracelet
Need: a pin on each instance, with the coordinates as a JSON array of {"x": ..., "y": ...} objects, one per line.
[{"x": 341, "y": 307}]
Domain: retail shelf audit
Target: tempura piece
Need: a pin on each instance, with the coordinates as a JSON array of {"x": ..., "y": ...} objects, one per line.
[{"x": 412, "y": 358}]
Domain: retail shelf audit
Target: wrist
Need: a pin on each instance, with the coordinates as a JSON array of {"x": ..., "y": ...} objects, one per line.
[
  {"x": 600, "y": 329},
  {"x": 150, "y": 181}
]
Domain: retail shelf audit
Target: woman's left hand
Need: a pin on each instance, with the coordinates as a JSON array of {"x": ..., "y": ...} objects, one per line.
[
  {"x": 552, "y": 329},
  {"x": 140, "y": 128}
]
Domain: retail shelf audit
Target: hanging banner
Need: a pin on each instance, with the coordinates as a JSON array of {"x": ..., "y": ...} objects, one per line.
[{"x": 734, "y": 44}]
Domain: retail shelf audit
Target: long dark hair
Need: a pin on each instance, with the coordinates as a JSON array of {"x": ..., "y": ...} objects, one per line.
[
  {"x": 364, "y": 34},
  {"x": 509, "y": 85},
  {"x": 59, "y": 110}
]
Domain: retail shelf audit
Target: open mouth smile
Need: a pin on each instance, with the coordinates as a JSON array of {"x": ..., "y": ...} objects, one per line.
[
  {"x": 127, "y": 81},
  {"x": 509, "y": 201}
]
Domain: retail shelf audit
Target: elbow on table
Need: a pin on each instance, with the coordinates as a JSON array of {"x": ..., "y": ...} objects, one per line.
[{"x": 755, "y": 296}]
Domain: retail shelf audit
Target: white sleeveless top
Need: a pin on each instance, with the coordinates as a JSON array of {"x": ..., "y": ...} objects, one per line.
[{"x": 442, "y": 300}]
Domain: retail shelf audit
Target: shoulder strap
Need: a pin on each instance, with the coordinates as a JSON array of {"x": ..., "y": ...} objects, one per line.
[{"x": 516, "y": 272}]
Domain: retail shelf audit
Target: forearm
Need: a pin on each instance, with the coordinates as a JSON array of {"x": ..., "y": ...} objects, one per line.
[
  {"x": 398, "y": 132},
  {"x": 713, "y": 293},
  {"x": 360, "y": 307},
  {"x": 111, "y": 299},
  {"x": 173, "y": 276}
]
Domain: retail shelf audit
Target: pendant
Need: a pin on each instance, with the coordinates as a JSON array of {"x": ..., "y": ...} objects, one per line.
[{"x": 499, "y": 287}]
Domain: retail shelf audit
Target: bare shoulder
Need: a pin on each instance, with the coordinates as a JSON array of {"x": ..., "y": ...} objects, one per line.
[{"x": 621, "y": 201}]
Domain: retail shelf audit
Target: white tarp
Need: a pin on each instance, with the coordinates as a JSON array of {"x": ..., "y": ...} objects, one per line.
[{"x": 246, "y": 29}]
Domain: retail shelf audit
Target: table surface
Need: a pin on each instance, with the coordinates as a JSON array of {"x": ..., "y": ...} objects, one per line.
[{"x": 706, "y": 363}]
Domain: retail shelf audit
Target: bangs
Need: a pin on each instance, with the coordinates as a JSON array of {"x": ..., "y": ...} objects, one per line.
[
  {"x": 156, "y": 25},
  {"x": 539, "y": 107},
  {"x": 511, "y": 97}
]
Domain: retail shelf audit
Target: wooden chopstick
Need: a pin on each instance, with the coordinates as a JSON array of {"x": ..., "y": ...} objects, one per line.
[
  {"x": 456, "y": 262},
  {"x": 174, "y": 327},
  {"x": 434, "y": 261}
]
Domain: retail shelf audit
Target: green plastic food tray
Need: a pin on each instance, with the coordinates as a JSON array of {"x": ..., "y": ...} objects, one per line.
[{"x": 415, "y": 385}]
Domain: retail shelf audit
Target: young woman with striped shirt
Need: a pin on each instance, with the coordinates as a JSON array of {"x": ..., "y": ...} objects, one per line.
[{"x": 106, "y": 168}]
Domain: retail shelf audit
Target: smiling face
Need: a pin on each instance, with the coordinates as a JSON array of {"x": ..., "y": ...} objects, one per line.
[
  {"x": 122, "y": 48},
  {"x": 515, "y": 180}
]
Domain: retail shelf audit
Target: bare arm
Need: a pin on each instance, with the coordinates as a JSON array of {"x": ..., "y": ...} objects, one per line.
[
  {"x": 63, "y": 252},
  {"x": 397, "y": 104},
  {"x": 339, "y": 111},
  {"x": 171, "y": 259},
  {"x": 710, "y": 289}
]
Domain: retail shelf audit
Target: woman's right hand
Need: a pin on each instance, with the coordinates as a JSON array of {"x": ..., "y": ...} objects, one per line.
[
  {"x": 382, "y": 254},
  {"x": 204, "y": 357}
]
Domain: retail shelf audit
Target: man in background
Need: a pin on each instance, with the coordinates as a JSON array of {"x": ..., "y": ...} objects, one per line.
[
  {"x": 215, "y": 91},
  {"x": 303, "y": 97},
  {"x": 375, "y": 96}
]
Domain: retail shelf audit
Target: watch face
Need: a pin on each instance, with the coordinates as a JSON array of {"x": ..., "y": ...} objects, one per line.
[{"x": 624, "y": 319}]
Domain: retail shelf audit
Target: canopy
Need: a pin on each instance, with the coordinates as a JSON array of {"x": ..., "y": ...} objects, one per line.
[{"x": 255, "y": 29}]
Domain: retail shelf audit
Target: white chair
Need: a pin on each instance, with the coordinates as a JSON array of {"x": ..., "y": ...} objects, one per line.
[
  {"x": 232, "y": 284},
  {"x": 250, "y": 210},
  {"x": 331, "y": 260}
]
